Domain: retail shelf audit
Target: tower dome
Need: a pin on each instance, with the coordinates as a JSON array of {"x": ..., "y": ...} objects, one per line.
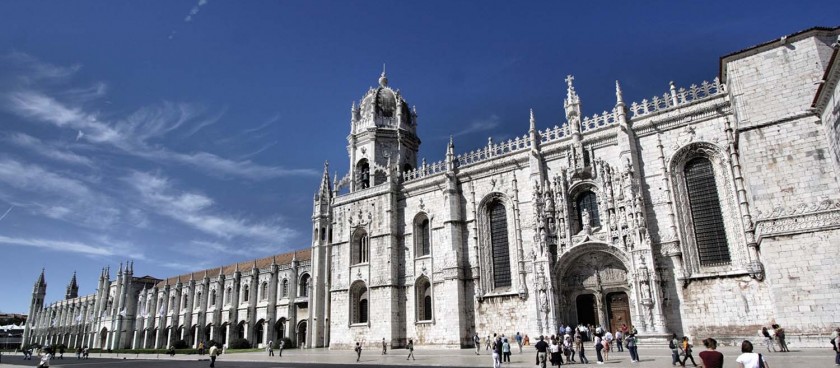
[{"x": 383, "y": 107}]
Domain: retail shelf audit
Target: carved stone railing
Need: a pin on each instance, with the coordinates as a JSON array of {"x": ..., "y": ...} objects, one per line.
[
  {"x": 597, "y": 121},
  {"x": 554, "y": 134},
  {"x": 677, "y": 97},
  {"x": 425, "y": 170}
]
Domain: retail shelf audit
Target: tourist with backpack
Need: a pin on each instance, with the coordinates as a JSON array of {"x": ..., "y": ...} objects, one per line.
[{"x": 675, "y": 351}]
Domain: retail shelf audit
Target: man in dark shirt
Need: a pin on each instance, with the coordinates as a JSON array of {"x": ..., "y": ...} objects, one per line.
[
  {"x": 711, "y": 358},
  {"x": 542, "y": 347}
]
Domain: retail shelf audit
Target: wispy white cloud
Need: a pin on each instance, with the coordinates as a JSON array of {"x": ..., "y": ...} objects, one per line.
[
  {"x": 55, "y": 195},
  {"x": 194, "y": 209},
  {"x": 194, "y": 10},
  {"x": 481, "y": 125},
  {"x": 48, "y": 150},
  {"x": 28, "y": 69},
  {"x": 132, "y": 135},
  {"x": 58, "y": 245}
]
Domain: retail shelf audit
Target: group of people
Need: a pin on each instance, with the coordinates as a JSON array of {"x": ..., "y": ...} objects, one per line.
[
  {"x": 777, "y": 337},
  {"x": 409, "y": 347},
  {"x": 280, "y": 346},
  {"x": 711, "y": 358},
  {"x": 47, "y": 353}
]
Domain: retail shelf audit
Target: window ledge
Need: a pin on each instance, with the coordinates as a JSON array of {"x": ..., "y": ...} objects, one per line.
[
  {"x": 499, "y": 294},
  {"x": 426, "y": 322},
  {"x": 425, "y": 256},
  {"x": 363, "y": 324},
  {"x": 710, "y": 273}
]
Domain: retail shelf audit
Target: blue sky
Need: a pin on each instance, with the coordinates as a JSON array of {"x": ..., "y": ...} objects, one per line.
[{"x": 188, "y": 134}]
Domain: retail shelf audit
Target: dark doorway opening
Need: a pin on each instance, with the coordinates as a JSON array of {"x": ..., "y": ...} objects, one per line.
[{"x": 587, "y": 310}]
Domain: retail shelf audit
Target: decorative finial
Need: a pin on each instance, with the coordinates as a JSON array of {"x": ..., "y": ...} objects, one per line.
[
  {"x": 533, "y": 121},
  {"x": 569, "y": 79},
  {"x": 619, "y": 97},
  {"x": 383, "y": 80}
]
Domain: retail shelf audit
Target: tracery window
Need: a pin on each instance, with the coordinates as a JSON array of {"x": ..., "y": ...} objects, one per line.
[
  {"x": 499, "y": 244},
  {"x": 360, "y": 247},
  {"x": 285, "y": 292},
  {"x": 197, "y": 301},
  {"x": 264, "y": 291},
  {"x": 213, "y": 298},
  {"x": 245, "y": 293},
  {"x": 423, "y": 290},
  {"x": 184, "y": 302},
  {"x": 304, "y": 285},
  {"x": 588, "y": 201},
  {"x": 227, "y": 296},
  {"x": 422, "y": 231},
  {"x": 358, "y": 303},
  {"x": 706, "y": 215}
]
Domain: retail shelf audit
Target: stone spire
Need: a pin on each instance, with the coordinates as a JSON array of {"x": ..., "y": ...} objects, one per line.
[
  {"x": 41, "y": 281},
  {"x": 72, "y": 288},
  {"x": 383, "y": 79},
  {"x": 572, "y": 102},
  {"x": 619, "y": 97},
  {"x": 450, "y": 155},
  {"x": 325, "y": 190}
]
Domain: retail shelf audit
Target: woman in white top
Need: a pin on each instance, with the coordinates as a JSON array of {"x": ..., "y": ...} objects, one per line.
[{"x": 748, "y": 359}]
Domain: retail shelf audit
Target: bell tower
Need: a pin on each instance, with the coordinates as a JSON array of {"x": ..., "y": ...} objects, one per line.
[
  {"x": 383, "y": 132},
  {"x": 39, "y": 292},
  {"x": 72, "y": 288}
]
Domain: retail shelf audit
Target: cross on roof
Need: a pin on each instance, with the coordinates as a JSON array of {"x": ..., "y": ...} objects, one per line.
[{"x": 569, "y": 79}]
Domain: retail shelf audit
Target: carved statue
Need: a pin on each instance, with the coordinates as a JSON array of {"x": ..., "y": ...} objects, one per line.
[
  {"x": 586, "y": 221},
  {"x": 543, "y": 301}
]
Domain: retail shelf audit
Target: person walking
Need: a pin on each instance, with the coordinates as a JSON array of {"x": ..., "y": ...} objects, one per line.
[
  {"x": 631, "y": 346},
  {"x": 768, "y": 340},
  {"x": 674, "y": 345},
  {"x": 607, "y": 341},
  {"x": 477, "y": 343},
  {"x": 554, "y": 350},
  {"x": 497, "y": 350},
  {"x": 526, "y": 340},
  {"x": 619, "y": 340},
  {"x": 505, "y": 351},
  {"x": 518, "y": 338},
  {"x": 410, "y": 348},
  {"x": 542, "y": 348},
  {"x": 280, "y": 347},
  {"x": 580, "y": 349},
  {"x": 568, "y": 349},
  {"x": 780, "y": 336},
  {"x": 385, "y": 346},
  {"x": 270, "y": 348},
  {"x": 710, "y": 357},
  {"x": 45, "y": 358},
  {"x": 358, "y": 350},
  {"x": 837, "y": 347},
  {"x": 686, "y": 351},
  {"x": 748, "y": 359},
  {"x": 487, "y": 343},
  {"x": 599, "y": 347},
  {"x": 214, "y": 352}
]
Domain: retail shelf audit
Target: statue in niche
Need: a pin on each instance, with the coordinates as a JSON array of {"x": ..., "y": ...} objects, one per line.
[
  {"x": 645, "y": 291},
  {"x": 586, "y": 221},
  {"x": 543, "y": 301}
]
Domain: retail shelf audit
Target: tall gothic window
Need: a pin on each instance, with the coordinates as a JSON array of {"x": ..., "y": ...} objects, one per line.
[
  {"x": 304, "y": 285},
  {"x": 358, "y": 303},
  {"x": 360, "y": 247},
  {"x": 212, "y": 297},
  {"x": 245, "y": 293},
  {"x": 184, "y": 304},
  {"x": 197, "y": 301},
  {"x": 709, "y": 232},
  {"x": 499, "y": 244},
  {"x": 264, "y": 291},
  {"x": 423, "y": 236},
  {"x": 588, "y": 201},
  {"x": 227, "y": 296},
  {"x": 285, "y": 292},
  {"x": 423, "y": 289}
]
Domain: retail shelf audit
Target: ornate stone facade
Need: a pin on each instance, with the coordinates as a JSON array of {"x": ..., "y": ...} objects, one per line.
[{"x": 708, "y": 210}]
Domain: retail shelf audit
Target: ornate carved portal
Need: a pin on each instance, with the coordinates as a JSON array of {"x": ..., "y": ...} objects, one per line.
[{"x": 594, "y": 289}]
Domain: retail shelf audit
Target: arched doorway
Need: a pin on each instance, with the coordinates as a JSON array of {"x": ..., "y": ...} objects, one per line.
[
  {"x": 593, "y": 281},
  {"x": 103, "y": 338},
  {"x": 240, "y": 330},
  {"x": 259, "y": 329},
  {"x": 207, "y": 333},
  {"x": 280, "y": 329},
  {"x": 301, "y": 334},
  {"x": 223, "y": 335}
]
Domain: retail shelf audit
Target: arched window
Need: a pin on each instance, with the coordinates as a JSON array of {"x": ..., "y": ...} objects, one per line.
[
  {"x": 360, "y": 247},
  {"x": 197, "y": 301},
  {"x": 363, "y": 174},
  {"x": 358, "y": 303},
  {"x": 304, "y": 285},
  {"x": 264, "y": 291},
  {"x": 499, "y": 244},
  {"x": 285, "y": 288},
  {"x": 323, "y": 234},
  {"x": 227, "y": 296},
  {"x": 172, "y": 304},
  {"x": 422, "y": 235},
  {"x": 423, "y": 290},
  {"x": 588, "y": 201},
  {"x": 245, "y": 293},
  {"x": 184, "y": 302},
  {"x": 706, "y": 215},
  {"x": 213, "y": 298}
]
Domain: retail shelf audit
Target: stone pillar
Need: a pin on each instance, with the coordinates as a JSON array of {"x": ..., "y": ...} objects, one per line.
[{"x": 599, "y": 305}]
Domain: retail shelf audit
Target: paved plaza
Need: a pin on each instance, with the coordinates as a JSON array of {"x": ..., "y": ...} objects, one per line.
[{"x": 660, "y": 357}]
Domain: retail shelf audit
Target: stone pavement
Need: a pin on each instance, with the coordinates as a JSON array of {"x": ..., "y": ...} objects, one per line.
[{"x": 654, "y": 357}]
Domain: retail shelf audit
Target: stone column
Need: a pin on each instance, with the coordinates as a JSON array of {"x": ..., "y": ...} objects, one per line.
[{"x": 599, "y": 305}]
